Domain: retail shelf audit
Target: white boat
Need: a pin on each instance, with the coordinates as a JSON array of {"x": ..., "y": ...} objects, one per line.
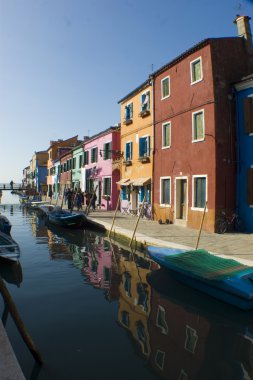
[{"x": 9, "y": 249}]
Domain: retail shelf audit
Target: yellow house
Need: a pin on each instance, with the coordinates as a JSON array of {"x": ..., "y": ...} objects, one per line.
[{"x": 137, "y": 147}]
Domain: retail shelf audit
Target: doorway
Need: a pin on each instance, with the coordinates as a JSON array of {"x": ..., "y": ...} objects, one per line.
[{"x": 181, "y": 201}]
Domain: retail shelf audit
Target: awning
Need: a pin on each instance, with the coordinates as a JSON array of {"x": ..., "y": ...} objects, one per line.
[
  {"x": 141, "y": 181},
  {"x": 124, "y": 182}
]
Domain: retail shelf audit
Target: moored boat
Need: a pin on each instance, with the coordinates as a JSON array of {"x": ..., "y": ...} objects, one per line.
[
  {"x": 5, "y": 225},
  {"x": 64, "y": 218},
  {"x": 225, "y": 279},
  {"x": 9, "y": 249}
]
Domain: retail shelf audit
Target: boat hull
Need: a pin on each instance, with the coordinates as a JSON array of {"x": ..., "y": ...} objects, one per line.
[
  {"x": 66, "y": 219},
  {"x": 236, "y": 290}
]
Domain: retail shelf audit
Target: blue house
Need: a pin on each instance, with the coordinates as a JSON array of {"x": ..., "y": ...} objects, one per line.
[{"x": 244, "y": 185}]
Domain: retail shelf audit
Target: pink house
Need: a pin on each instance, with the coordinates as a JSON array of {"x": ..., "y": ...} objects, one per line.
[{"x": 101, "y": 169}]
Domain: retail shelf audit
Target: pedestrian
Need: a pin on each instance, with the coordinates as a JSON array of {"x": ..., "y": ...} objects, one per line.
[
  {"x": 93, "y": 201},
  {"x": 79, "y": 199},
  {"x": 11, "y": 184},
  {"x": 50, "y": 194},
  {"x": 87, "y": 199},
  {"x": 69, "y": 198}
]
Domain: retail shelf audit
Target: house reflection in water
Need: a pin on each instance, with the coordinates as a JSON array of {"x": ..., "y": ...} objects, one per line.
[{"x": 193, "y": 336}]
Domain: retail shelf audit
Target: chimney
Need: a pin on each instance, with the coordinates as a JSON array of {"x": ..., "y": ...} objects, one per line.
[{"x": 243, "y": 28}]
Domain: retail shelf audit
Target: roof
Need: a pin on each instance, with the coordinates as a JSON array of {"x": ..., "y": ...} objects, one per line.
[
  {"x": 135, "y": 91},
  {"x": 106, "y": 131}
]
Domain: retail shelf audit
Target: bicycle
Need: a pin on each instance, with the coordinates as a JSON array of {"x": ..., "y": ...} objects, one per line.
[{"x": 228, "y": 222}]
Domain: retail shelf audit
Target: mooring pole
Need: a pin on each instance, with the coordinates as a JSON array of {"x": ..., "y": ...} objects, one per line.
[
  {"x": 114, "y": 216},
  {"x": 19, "y": 323},
  {"x": 135, "y": 228},
  {"x": 203, "y": 216}
]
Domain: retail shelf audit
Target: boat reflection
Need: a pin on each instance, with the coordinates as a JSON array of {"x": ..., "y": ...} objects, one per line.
[{"x": 11, "y": 271}]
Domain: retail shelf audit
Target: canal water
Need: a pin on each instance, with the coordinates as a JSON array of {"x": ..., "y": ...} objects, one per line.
[{"x": 96, "y": 310}]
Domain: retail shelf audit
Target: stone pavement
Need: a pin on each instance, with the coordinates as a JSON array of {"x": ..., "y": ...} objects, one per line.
[{"x": 151, "y": 232}]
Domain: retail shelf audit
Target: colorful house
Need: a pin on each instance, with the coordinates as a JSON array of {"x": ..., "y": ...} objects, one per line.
[
  {"x": 38, "y": 171},
  {"x": 100, "y": 169},
  {"x": 194, "y": 123},
  {"x": 53, "y": 154},
  {"x": 244, "y": 188},
  {"x": 137, "y": 145},
  {"x": 77, "y": 166}
]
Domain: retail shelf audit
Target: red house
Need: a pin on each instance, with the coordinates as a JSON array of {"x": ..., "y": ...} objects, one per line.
[{"x": 194, "y": 129}]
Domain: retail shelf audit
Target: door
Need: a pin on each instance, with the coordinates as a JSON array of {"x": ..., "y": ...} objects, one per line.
[{"x": 181, "y": 199}]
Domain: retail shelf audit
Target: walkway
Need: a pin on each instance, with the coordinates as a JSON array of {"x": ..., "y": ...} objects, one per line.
[{"x": 152, "y": 233}]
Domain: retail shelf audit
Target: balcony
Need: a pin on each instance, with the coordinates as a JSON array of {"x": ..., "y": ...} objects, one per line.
[
  {"x": 128, "y": 121},
  {"x": 144, "y": 113},
  {"x": 144, "y": 159},
  {"x": 127, "y": 162}
]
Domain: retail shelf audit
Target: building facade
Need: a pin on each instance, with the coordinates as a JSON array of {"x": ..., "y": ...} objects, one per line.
[
  {"x": 137, "y": 145},
  {"x": 194, "y": 123},
  {"x": 99, "y": 172},
  {"x": 244, "y": 185}
]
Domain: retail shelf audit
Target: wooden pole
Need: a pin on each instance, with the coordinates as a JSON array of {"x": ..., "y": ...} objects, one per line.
[
  {"x": 114, "y": 216},
  {"x": 203, "y": 216},
  {"x": 19, "y": 323},
  {"x": 63, "y": 195},
  {"x": 135, "y": 228}
]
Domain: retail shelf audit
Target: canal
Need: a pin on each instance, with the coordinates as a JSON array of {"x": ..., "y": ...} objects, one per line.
[{"x": 96, "y": 310}]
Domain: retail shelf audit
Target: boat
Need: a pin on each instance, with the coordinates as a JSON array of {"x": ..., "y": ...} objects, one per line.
[
  {"x": 64, "y": 218},
  {"x": 36, "y": 204},
  {"x": 5, "y": 225},
  {"x": 11, "y": 271},
  {"x": 225, "y": 279},
  {"x": 9, "y": 249}
]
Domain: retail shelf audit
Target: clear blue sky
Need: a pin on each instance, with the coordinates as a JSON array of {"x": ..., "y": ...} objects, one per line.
[{"x": 64, "y": 64}]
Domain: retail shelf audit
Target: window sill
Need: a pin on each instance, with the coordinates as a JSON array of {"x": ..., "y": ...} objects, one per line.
[
  {"x": 199, "y": 209},
  {"x": 127, "y": 162},
  {"x": 165, "y": 205},
  {"x": 196, "y": 81},
  {"x": 200, "y": 140},
  {"x": 165, "y": 97},
  {"x": 166, "y": 147},
  {"x": 144, "y": 160}
]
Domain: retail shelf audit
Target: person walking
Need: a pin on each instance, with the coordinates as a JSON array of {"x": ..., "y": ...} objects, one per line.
[{"x": 93, "y": 201}]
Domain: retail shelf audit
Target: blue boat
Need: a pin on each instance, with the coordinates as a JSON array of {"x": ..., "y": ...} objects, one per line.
[
  {"x": 5, "y": 225},
  {"x": 9, "y": 249},
  {"x": 63, "y": 218},
  {"x": 225, "y": 279}
]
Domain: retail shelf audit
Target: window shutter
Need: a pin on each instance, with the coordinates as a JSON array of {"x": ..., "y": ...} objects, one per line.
[
  {"x": 250, "y": 186},
  {"x": 248, "y": 115},
  {"x": 131, "y": 110},
  {"x": 148, "y": 146},
  {"x": 105, "y": 151},
  {"x": 130, "y": 150},
  {"x": 141, "y": 150}
]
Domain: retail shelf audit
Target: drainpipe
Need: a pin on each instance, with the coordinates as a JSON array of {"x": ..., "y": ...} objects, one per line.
[
  {"x": 153, "y": 143},
  {"x": 237, "y": 159}
]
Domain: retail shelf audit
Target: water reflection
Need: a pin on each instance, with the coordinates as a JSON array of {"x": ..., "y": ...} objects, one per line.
[{"x": 177, "y": 332}]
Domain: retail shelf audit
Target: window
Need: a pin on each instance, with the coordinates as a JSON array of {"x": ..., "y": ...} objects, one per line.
[
  {"x": 183, "y": 375},
  {"x": 199, "y": 192},
  {"x": 142, "y": 292},
  {"x": 248, "y": 115},
  {"x": 129, "y": 111},
  {"x": 250, "y": 186},
  {"x": 166, "y": 135},
  {"x": 80, "y": 161},
  {"x": 196, "y": 70},
  {"x": 145, "y": 101},
  {"x": 144, "y": 146},
  {"x": 165, "y": 190},
  {"x": 107, "y": 186},
  {"x": 86, "y": 157},
  {"x": 161, "y": 320},
  {"x": 191, "y": 339},
  {"x": 128, "y": 151},
  {"x": 127, "y": 283},
  {"x": 165, "y": 87},
  {"x": 159, "y": 359},
  {"x": 198, "y": 130},
  {"x": 94, "y": 155},
  {"x": 125, "y": 318},
  {"x": 107, "y": 152},
  {"x": 73, "y": 163}
]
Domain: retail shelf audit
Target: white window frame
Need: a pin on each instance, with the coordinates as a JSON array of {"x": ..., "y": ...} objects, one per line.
[
  {"x": 191, "y": 70},
  {"x": 104, "y": 178},
  {"x": 162, "y": 80},
  {"x": 164, "y": 204},
  {"x": 145, "y": 93},
  {"x": 162, "y": 313},
  {"x": 193, "y": 125},
  {"x": 163, "y": 124},
  {"x": 127, "y": 105},
  {"x": 193, "y": 191},
  {"x": 129, "y": 142},
  {"x": 187, "y": 341},
  {"x": 162, "y": 353}
]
